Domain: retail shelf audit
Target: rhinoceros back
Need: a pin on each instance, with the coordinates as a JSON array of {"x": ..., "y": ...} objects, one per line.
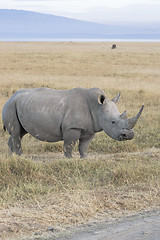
[{"x": 46, "y": 113}]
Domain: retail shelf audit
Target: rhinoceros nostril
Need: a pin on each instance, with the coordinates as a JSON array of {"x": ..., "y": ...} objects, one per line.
[{"x": 124, "y": 136}]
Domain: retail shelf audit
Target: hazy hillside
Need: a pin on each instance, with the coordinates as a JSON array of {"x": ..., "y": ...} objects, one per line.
[{"x": 26, "y": 24}]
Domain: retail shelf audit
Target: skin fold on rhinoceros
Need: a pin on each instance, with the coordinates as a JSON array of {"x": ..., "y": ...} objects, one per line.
[{"x": 69, "y": 115}]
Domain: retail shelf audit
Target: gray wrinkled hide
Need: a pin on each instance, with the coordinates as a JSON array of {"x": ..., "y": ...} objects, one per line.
[{"x": 69, "y": 115}]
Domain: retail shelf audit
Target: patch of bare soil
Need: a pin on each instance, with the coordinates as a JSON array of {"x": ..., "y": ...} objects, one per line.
[
  {"x": 142, "y": 226},
  {"x": 138, "y": 227}
]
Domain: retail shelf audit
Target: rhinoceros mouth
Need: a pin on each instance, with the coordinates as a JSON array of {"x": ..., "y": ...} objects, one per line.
[
  {"x": 122, "y": 137},
  {"x": 126, "y": 136}
]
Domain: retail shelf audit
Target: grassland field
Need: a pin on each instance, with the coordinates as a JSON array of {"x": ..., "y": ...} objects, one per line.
[{"x": 42, "y": 188}]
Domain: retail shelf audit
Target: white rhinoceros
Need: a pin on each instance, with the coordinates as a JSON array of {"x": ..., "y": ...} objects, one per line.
[{"x": 69, "y": 115}]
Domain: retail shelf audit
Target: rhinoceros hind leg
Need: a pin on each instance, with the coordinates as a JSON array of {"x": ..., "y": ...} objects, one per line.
[
  {"x": 83, "y": 145},
  {"x": 14, "y": 144},
  {"x": 14, "y": 141}
]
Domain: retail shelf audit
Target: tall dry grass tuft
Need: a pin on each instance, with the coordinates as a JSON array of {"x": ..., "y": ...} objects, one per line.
[
  {"x": 22, "y": 178},
  {"x": 63, "y": 192}
]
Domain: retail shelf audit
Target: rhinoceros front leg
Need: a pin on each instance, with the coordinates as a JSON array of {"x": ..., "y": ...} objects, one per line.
[
  {"x": 83, "y": 145},
  {"x": 70, "y": 137},
  {"x": 67, "y": 149}
]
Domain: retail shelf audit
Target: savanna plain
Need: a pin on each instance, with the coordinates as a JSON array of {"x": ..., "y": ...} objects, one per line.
[{"x": 43, "y": 192}]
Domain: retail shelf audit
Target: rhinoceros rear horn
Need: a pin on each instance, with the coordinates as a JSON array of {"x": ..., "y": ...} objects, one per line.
[
  {"x": 101, "y": 99},
  {"x": 124, "y": 115},
  {"x": 116, "y": 98},
  {"x": 132, "y": 121}
]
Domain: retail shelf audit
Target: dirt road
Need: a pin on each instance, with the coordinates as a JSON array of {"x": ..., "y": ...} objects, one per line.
[{"x": 139, "y": 227}]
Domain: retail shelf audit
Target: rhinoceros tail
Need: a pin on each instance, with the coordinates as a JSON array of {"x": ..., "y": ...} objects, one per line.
[{"x": 4, "y": 128}]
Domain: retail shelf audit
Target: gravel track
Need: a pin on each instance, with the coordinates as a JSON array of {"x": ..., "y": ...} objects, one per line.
[{"x": 144, "y": 226}]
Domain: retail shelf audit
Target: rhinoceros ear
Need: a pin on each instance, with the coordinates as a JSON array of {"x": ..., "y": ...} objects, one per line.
[
  {"x": 116, "y": 98},
  {"x": 101, "y": 99}
]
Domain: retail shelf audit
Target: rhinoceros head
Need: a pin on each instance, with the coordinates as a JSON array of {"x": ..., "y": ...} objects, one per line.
[{"x": 116, "y": 125}]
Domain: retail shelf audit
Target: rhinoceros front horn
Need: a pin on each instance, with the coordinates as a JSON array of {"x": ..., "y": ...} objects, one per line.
[{"x": 132, "y": 121}]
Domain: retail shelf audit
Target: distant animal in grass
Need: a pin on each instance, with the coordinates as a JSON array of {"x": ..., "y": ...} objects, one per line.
[
  {"x": 113, "y": 46},
  {"x": 65, "y": 115}
]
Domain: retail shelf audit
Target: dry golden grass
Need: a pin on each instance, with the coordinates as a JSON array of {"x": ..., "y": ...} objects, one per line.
[
  {"x": 42, "y": 189},
  {"x": 48, "y": 190}
]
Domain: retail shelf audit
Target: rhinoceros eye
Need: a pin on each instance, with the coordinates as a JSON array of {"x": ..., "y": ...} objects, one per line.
[{"x": 113, "y": 122}]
